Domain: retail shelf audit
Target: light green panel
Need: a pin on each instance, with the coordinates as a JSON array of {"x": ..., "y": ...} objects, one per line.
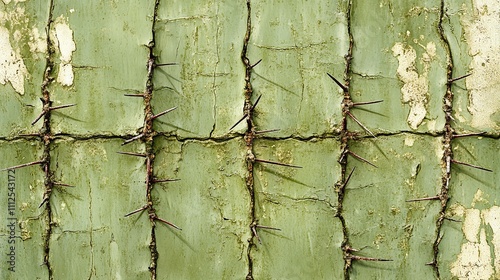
[
  {"x": 379, "y": 220},
  {"x": 91, "y": 237},
  {"x": 398, "y": 57},
  {"x": 470, "y": 244},
  {"x": 461, "y": 60},
  {"x": 109, "y": 61},
  {"x": 311, "y": 244},
  {"x": 22, "y": 66},
  {"x": 29, "y": 221},
  {"x": 211, "y": 205},
  {"x": 205, "y": 39},
  {"x": 298, "y": 42}
]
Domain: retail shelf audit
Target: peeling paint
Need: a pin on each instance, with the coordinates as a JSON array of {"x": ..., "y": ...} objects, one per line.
[
  {"x": 12, "y": 68},
  {"x": 66, "y": 46},
  {"x": 481, "y": 33},
  {"x": 415, "y": 89},
  {"x": 475, "y": 260}
]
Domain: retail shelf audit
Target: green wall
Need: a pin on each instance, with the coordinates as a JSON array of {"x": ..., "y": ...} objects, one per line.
[{"x": 312, "y": 222}]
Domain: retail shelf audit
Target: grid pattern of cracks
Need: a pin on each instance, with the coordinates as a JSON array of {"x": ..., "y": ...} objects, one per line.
[{"x": 148, "y": 133}]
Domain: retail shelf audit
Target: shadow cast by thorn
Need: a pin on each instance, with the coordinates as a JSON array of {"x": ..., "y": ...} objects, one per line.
[
  {"x": 468, "y": 171},
  {"x": 61, "y": 114},
  {"x": 369, "y": 111},
  {"x": 171, "y": 80},
  {"x": 281, "y": 175},
  {"x": 172, "y": 125},
  {"x": 459, "y": 143},
  {"x": 177, "y": 234},
  {"x": 276, "y": 84}
]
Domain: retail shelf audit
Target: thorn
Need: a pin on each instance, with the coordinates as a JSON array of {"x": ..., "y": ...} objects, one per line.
[
  {"x": 360, "y": 158},
  {"x": 164, "y": 180},
  {"x": 134, "y": 95},
  {"x": 424, "y": 198},
  {"x": 256, "y": 102},
  {"x": 61, "y": 107},
  {"x": 256, "y": 63},
  {"x": 167, "y": 222},
  {"x": 132, "y": 139},
  {"x": 366, "y": 103},
  {"x": 163, "y": 113},
  {"x": 459, "y": 78},
  {"x": 277, "y": 163},
  {"x": 255, "y": 233},
  {"x": 344, "y": 88},
  {"x": 349, "y": 177},
  {"x": 360, "y": 124},
  {"x": 468, "y": 134},
  {"x": 62, "y": 184},
  {"x": 165, "y": 64},
  {"x": 244, "y": 116},
  {"x": 266, "y": 227},
  {"x": 266, "y": 131},
  {"x": 433, "y": 263},
  {"x": 453, "y": 220},
  {"x": 39, "y": 117},
  {"x": 360, "y": 258},
  {"x": 471, "y": 165},
  {"x": 137, "y": 211},
  {"x": 23, "y": 165},
  {"x": 46, "y": 198},
  {"x": 132, "y": 154}
]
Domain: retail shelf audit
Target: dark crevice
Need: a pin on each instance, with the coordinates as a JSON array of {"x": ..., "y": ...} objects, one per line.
[
  {"x": 249, "y": 138},
  {"x": 46, "y": 137},
  {"x": 447, "y": 145},
  {"x": 344, "y": 138}
]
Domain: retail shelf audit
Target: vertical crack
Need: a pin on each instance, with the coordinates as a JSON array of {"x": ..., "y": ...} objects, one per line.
[
  {"x": 447, "y": 145},
  {"x": 344, "y": 137},
  {"x": 249, "y": 137},
  {"x": 148, "y": 134},
  {"x": 46, "y": 136}
]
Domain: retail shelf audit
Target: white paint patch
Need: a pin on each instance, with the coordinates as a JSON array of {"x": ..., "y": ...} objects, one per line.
[
  {"x": 37, "y": 43},
  {"x": 475, "y": 260},
  {"x": 409, "y": 140},
  {"x": 66, "y": 46},
  {"x": 481, "y": 33},
  {"x": 12, "y": 68},
  {"x": 415, "y": 89}
]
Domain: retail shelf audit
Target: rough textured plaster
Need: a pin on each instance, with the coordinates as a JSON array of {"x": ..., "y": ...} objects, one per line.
[
  {"x": 476, "y": 259},
  {"x": 66, "y": 46},
  {"x": 415, "y": 89},
  {"x": 481, "y": 34}
]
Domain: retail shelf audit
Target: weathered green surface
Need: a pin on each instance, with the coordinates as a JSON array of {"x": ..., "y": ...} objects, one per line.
[
  {"x": 380, "y": 221},
  {"x": 91, "y": 237},
  {"x": 398, "y": 58},
  {"x": 212, "y": 213},
  {"x": 205, "y": 39},
  {"x": 471, "y": 248},
  {"x": 399, "y": 55},
  {"x": 302, "y": 204},
  {"x": 298, "y": 43},
  {"x": 22, "y": 63},
  {"x": 29, "y": 226},
  {"x": 109, "y": 60}
]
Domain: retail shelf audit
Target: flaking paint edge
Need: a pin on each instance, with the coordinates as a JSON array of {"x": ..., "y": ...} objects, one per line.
[
  {"x": 481, "y": 34},
  {"x": 415, "y": 86},
  {"x": 66, "y": 45},
  {"x": 475, "y": 260},
  {"x": 12, "y": 67}
]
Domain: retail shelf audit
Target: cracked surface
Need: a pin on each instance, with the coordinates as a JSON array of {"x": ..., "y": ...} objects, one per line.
[{"x": 392, "y": 48}]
